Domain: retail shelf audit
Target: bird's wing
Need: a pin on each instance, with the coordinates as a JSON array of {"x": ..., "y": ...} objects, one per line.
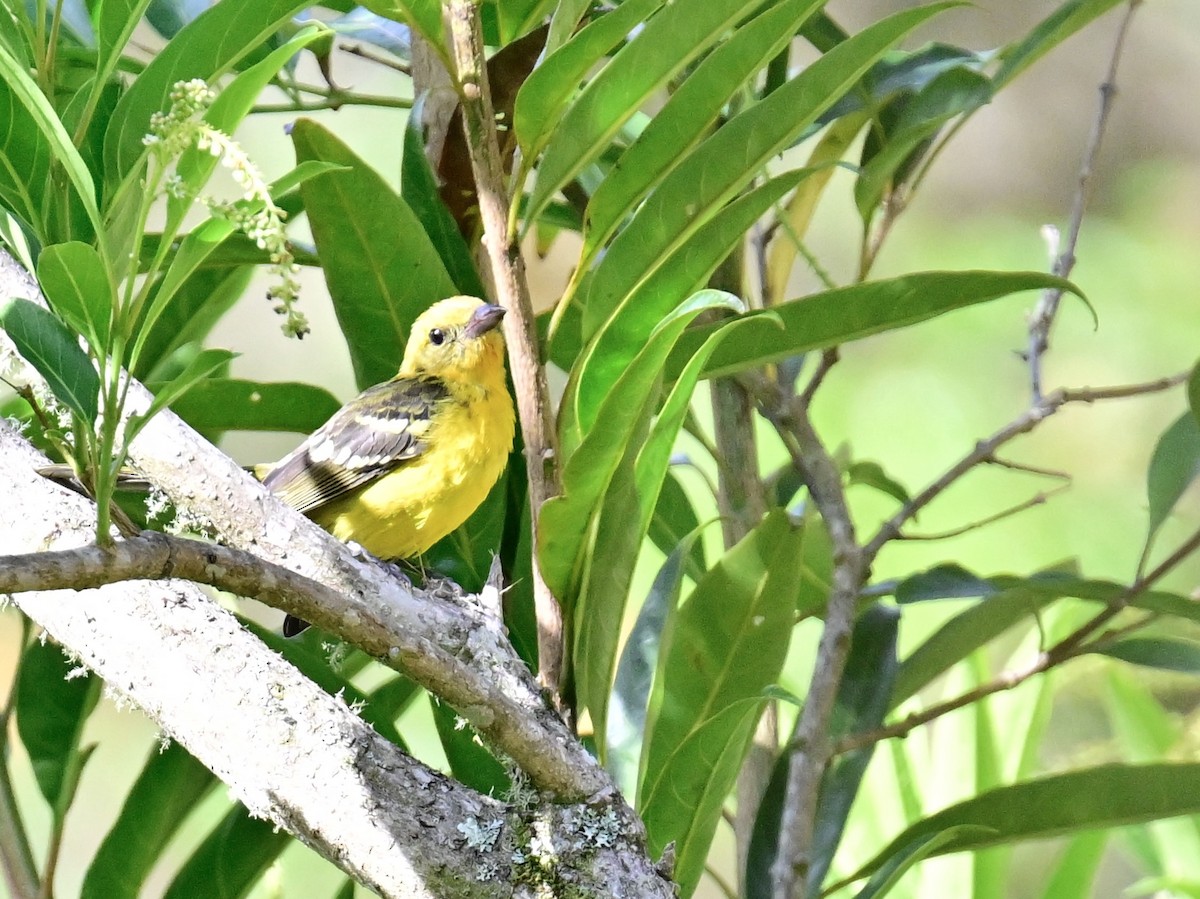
[{"x": 370, "y": 436}]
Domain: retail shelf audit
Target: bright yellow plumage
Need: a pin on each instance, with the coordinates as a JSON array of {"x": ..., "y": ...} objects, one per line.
[{"x": 407, "y": 461}]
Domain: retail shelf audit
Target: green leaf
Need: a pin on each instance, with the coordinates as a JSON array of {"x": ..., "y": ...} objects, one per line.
[
  {"x": 728, "y": 643},
  {"x": 1075, "y": 871},
  {"x": 686, "y": 117},
  {"x": 673, "y": 519},
  {"x": 53, "y": 704},
  {"x": 563, "y": 23},
  {"x": 234, "y": 855},
  {"x": 679, "y": 33},
  {"x": 517, "y": 17},
  {"x": 589, "y": 468},
  {"x": 77, "y": 286},
  {"x": 208, "y": 46},
  {"x": 1173, "y": 467},
  {"x": 670, "y": 282},
  {"x": 228, "y": 404},
  {"x": 204, "y": 364},
  {"x": 1193, "y": 392},
  {"x": 1156, "y": 652},
  {"x": 170, "y": 785},
  {"x": 849, "y": 313},
  {"x": 1066, "y": 19},
  {"x": 47, "y": 345},
  {"x": 1088, "y": 799},
  {"x": 196, "y": 305},
  {"x": 721, "y": 166},
  {"x": 470, "y": 762},
  {"x": 639, "y": 660},
  {"x": 380, "y": 278},
  {"x": 683, "y": 804},
  {"x": 948, "y": 581},
  {"x": 32, "y": 107},
  {"x": 115, "y": 22},
  {"x": 957, "y": 91},
  {"x": 419, "y": 189},
  {"x": 906, "y": 856},
  {"x": 871, "y": 474}
]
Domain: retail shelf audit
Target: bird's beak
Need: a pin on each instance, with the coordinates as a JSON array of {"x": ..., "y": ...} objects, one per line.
[{"x": 484, "y": 319}]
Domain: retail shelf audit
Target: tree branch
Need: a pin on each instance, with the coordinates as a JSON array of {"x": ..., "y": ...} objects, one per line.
[
  {"x": 512, "y": 291},
  {"x": 1047, "y": 308},
  {"x": 984, "y": 450},
  {"x": 1071, "y": 646},
  {"x": 810, "y": 746},
  {"x": 267, "y": 731}
]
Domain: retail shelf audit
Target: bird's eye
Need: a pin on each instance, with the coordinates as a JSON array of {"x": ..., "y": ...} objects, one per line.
[{"x": 437, "y": 336}]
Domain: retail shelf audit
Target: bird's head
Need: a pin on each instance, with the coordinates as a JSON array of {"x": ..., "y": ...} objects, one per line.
[{"x": 456, "y": 338}]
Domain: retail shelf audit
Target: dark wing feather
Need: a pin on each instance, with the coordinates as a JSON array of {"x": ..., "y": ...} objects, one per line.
[{"x": 367, "y": 438}]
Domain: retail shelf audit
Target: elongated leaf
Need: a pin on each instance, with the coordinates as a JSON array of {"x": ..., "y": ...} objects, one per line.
[
  {"x": 1089, "y": 799},
  {"x": 1193, "y": 389},
  {"x": 545, "y": 93},
  {"x": 37, "y": 110},
  {"x": 890, "y": 872},
  {"x": 47, "y": 345},
  {"x": 210, "y": 45},
  {"x": 24, "y": 165},
  {"x": 470, "y": 762},
  {"x": 1066, "y": 19},
  {"x": 563, "y": 23},
  {"x": 947, "y": 581},
  {"x": 1075, "y": 871},
  {"x": 687, "y": 115},
  {"x": 114, "y": 26},
  {"x": 684, "y": 803},
  {"x": 849, "y": 313},
  {"x": 668, "y": 285},
  {"x": 955, "y": 92},
  {"x": 725, "y": 162},
  {"x": 53, "y": 704},
  {"x": 171, "y": 783},
  {"x": 871, "y": 474},
  {"x": 380, "y": 278},
  {"x": 1173, "y": 467},
  {"x": 589, "y": 466},
  {"x": 76, "y": 284},
  {"x": 226, "y": 404},
  {"x": 419, "y": 189},
  {"x": 659, "y": 51},
  {"x": 674, "y": 517},
  {"x": 196, "y": 305},
  {"x": 639, "y": 660},
  {"x": 1156, "y": 652},
  {"x": 728, "y": 643},
  {"x": 234, "y": 855},
  {"x": 204, "y": 364}
]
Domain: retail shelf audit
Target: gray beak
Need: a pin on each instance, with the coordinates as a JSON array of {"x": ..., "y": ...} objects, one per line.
[{"x": 484, "y": 319}]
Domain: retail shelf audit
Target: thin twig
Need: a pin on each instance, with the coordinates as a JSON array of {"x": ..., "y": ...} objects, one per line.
[
  {"x": 1038, "y": 499},
  {"x": 985, "y": 450},
  {"x": 512, "y": 291},
  {"x": 1071, "y": 646},
  {"x": 360, "y": 51},
  {"x": 1047, "y": 308}
]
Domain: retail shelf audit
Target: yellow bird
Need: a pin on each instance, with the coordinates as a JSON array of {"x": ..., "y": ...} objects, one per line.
[{"x": 407, "y": 461}]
